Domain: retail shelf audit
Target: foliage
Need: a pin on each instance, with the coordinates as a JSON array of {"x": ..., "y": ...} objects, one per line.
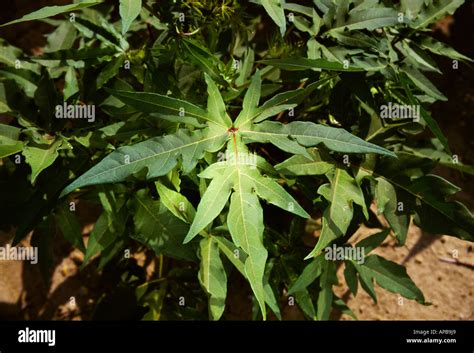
[{"x": 216, "y": 146}]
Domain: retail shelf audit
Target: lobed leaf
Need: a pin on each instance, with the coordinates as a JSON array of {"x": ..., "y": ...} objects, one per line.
[
  {"x": 293, "y": 136},
  {"x": 342, "y": 192},
  {"x": 159, "y": 155},
  {"x": 389, "y": 276}
]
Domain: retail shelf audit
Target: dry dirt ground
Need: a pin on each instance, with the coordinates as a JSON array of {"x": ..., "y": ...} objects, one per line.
[{"x": 441, "y": 266}]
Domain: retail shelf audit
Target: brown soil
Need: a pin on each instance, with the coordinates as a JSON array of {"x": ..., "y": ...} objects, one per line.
[{"x": 441, "y": 266}]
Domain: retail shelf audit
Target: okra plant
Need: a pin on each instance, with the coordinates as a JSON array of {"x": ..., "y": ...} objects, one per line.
[{"x": 223, "y": 136}]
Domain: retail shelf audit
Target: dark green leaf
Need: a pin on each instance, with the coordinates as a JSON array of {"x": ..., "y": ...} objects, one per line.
[{"x": 50, "y": 11}]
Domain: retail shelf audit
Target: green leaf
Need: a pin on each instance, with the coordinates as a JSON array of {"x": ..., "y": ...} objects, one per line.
[
  {"x": 78, "y": 54},
  {"x": 50, "y": 11},
  {"x": 46, "y": 98},
  {"x": 9, "y": 134},
  {"x": 235, "y": 255},
  {"x": 246, "y": 69},
  {"x": 423, "y": 83},
  {"x": 9, "y": 54},
  {"x": 356, "y": 39},
  {"x": 428, "y": 197},
  {"x": 71, "y": 85},
  {"x": 366, "y": 282},
  {"x": 100, "y": 238},
  {"x": 312, "y": 271},
  {"x": 245, "y": 222},
  {"x": 341, "y": 306},
  {"x": 373, "y": 241},
  {"x": 388, "y": 204},
  {"x": 325, "y": 298},
  {"x": 25, "y": 79},
  {"x": 42, "y": 238},
  {"x": 411, "y": 8},
  {"x": 227, "y": 175},
  {"x": 212, "y": 202},
  {"x": 300, "y": 64},
  {"x": 305, "y": 10},
  {"x": 416, "y": 56},
  {"x": 371, "y": 18},
  {"x": 303, "y": 299},
  {"x": 441, "y": 157},
  {"x": 302, "y": 165},
  {"x": 274, "y": 105},
  {"x": 110, "y": 205},
  {"x": 159, "y": 155},
  {"x": 62, "y": 38},
  {"x": 432, "y": 124},
  {"x": 434, "y": 10},
  {"x": 435, "y": 214},
  {"x": 108, "y": 230},
  {"x": 270, "y": 298},
  {"x": 443, "y": 49},
  {"x": 157, "y": 103},
  {"x": 305, "y": 26},
  {"x": 40, "y": 157},
  {"x": 275, "y": 10},
  {"x": 238, "y": 257},
  {"x": 212, "y": 277},
  {"x": 269, "y": 190},
  {"x": 9, "y": 149},
  {"x": 342, "y": 192},
  {"x": 70, "y": 226},
  {"x": 129, "y": 10},
  {"x": 292, "y": 97},
  {"x": 245, "y": 217},
  {"x": 176, "y": 203},
  {"x": 202, "y": 57},
  {"x": 103, "y": 31},
  {"x": 350, "y": 275},
  {"x": 9, "y": 143},
  {"x": 272, "y": 111},
  {"x": 110, "y": 70},
  {"x": 389, "y": 276},
  {"x": 215, "y": 104},
  {"x": 109, "y": 253},
  {"x": 159, "y": 230},
  {"x": 293, "y": 136},
  {"x": 250, "y": 104}
]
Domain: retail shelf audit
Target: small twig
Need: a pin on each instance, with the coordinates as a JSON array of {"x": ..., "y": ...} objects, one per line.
[
  {"x": 456, "y": 262},
  {"x": 188, "y": 34},
  {"x": 267, "y": 154},
  {"x": 150, "y": 32}
]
